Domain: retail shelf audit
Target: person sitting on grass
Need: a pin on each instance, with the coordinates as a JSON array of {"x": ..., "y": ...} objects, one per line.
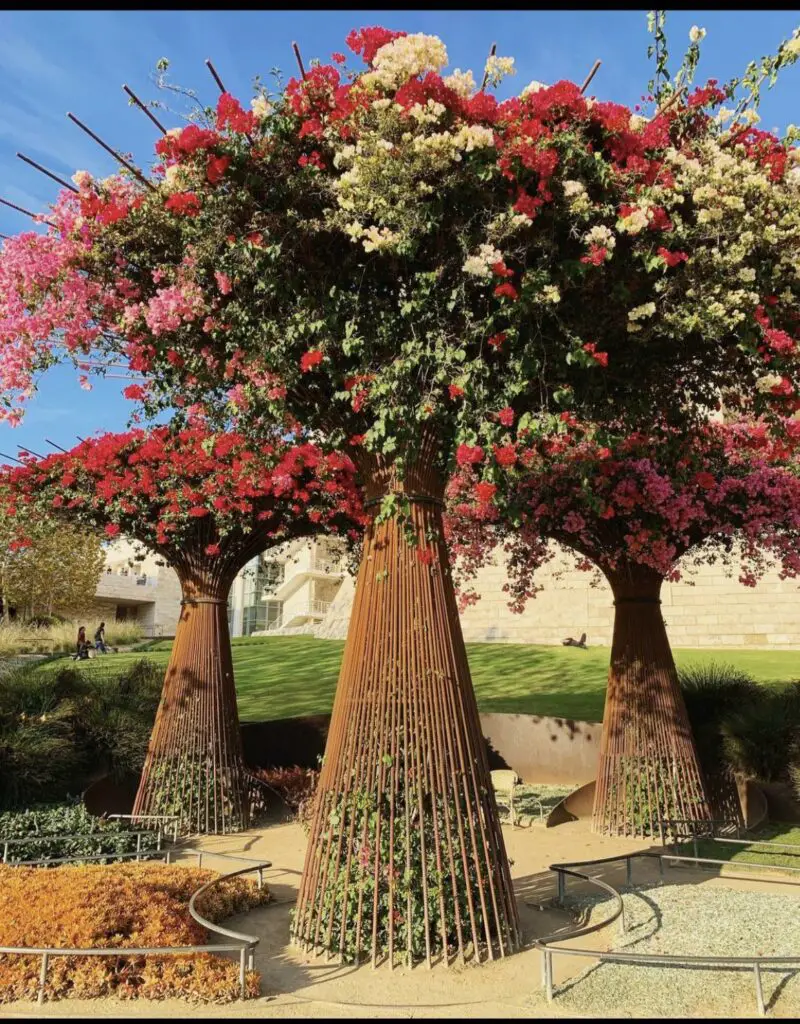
[{"x": 81, "y": 646}]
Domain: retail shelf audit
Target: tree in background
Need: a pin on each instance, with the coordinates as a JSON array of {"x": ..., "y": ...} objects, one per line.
[
  {"x": 51, "y": 569},
  {"x": 207, "y": 503},
  {"x": 404, "y": 265},
  {"x": 641, "y": 508}
]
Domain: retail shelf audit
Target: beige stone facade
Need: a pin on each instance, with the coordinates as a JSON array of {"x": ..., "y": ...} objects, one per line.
[
  {"x": 138, "y": 591},
  {"x": 707, "y": 609},
  {"x": 313, "y": 593}
]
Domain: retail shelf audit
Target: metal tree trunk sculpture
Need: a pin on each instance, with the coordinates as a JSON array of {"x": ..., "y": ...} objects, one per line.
[
  {"x": 649, "y": 770},
  {"x": 406, "y": 858},
  {"x": 195, "y": 766}
]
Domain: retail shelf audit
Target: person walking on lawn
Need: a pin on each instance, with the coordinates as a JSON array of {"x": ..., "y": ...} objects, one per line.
[{"x": 100, "y": 639}]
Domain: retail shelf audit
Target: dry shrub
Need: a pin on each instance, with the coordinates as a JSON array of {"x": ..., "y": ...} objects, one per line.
[
  {"x": 121, "y": 905},
  {"x": 296, "y": 786}
]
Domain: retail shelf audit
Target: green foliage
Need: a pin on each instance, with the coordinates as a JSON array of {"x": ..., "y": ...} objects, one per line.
[
  {"x": 741, "y": 728},
  {"x": 192, "y": 789},
  {"x": 57, "y": 572},
  {"x": 712, "y": 692},
  {"x": 414, "y": 891},
  {"x": 59, "y": 728},
  {"x": 762, "y": 740},
  {"x": 649, "y": 791},
  {"x": 87, "y": 834}
]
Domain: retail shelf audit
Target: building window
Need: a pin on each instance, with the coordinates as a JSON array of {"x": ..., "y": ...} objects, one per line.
[
  {"x": 257, "y": 617},
  {"x": 261, "y": 578}
]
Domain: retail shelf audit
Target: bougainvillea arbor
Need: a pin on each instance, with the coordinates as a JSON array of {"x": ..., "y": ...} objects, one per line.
[
  {"x": 642, "y": 509},
  {"x": 208, "y": 504},
  {"x": 395, "y": 259}
]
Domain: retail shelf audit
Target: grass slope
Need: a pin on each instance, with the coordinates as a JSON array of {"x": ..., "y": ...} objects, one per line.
[{"x": 288, "y": 676}]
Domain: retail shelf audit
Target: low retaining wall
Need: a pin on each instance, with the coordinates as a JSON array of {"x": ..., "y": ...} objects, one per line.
[{"x": 539, "y": 749}]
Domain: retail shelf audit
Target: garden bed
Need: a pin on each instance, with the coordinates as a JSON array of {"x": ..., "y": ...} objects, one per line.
[{"x": 123, "y": 905}]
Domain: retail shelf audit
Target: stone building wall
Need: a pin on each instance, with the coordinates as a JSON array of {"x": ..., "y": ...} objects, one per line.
[{"x": 706, "y": 609}]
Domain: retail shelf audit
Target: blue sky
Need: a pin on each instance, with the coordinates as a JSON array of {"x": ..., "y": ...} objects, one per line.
[{"x": 54, "y": 61}]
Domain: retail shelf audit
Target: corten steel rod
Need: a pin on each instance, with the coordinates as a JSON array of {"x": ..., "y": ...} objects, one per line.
[
  {"x": 215, "y": 76},
  {"x": 405, "y": 826},
  {"x": 21, "y": 209},
  {"x": 590, "y": 76},
  {"x": 649, "y": 769},
  {"x": 299, "y": 60},
  {"x": 195, "y": 767},
  {"x": 44, "y": 170},
  {"x": 146, "y": 109},
  {"x": 492, "y": 52},
  {"x": 117, "y": 156}
]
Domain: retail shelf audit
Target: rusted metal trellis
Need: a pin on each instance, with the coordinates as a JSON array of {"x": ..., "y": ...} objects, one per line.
[
  {"x": 406, "y": 858},
  {"x": 194, "y": 767},
  {"x": 649, "y": 769}
]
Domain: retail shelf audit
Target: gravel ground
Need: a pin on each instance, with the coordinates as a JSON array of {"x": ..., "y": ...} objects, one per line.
[
  {"x": 692, "y": 919},
  {"x": 532, "y": 802}
]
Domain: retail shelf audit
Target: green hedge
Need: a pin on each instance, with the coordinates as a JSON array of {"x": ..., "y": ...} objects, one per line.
[
  {"x": 60, "y": 729},
  {"x": 87, "y": 834}
]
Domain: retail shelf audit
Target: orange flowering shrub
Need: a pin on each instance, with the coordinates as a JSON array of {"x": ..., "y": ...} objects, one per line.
[{"x": 120, "y": 905}]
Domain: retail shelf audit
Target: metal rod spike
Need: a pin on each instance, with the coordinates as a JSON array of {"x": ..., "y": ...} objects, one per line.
[
  {"x": 64, "y": 450},
  {"x": 49, "y": 174},
  {"x": 142, "y": 107},
  {"x": 120, "y": 159},
  {"x": 30, "y": 451},
  {"x": 21, "y": 209},
  {"x": 215, "y": 76},
  {"x": 492, "y": 52},
  {"x": 299, "y": 59},
  {"x": 11, "y": 457},
  {"x": 590, "y": 76}
]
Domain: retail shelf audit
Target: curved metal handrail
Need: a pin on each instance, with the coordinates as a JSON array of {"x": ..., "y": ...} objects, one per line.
[
  {"x": 243, "y": 944},
  {"x": 546, "y": 943}
]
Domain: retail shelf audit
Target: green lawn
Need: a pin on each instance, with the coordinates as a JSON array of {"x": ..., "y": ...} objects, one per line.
[
  {"x": 288, "y": 676},
  {"x": 753, "y": 852}
]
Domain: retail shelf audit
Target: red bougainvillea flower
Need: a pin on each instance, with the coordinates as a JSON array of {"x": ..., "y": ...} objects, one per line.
[
  {"x": 190, "y": 490},
  {"x": 652, "y": 500},
  {"x": 496, "y": 340},
  {"x": 367, "y": 41},
  {"x": 454, "y": 391},
  {"x": 230, "y": 114},
  {"x": 599, "y": 357},
  {"x": 507, "y": 291},
  {"x": 310, "y": 359},
  {"x": 216, "y": 167},
  {"x": 485, "y": 491},
  {"x": 469, "y": 455},
  {"x": 672, "y": 259},
  {"x": 186, "y": 204}
]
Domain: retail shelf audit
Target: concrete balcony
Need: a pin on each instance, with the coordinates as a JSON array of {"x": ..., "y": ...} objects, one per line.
[
  {"x": 116, "y": 586},
  {"x": 297, "y": 575},
  {"x": 310, "y": 613}
]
